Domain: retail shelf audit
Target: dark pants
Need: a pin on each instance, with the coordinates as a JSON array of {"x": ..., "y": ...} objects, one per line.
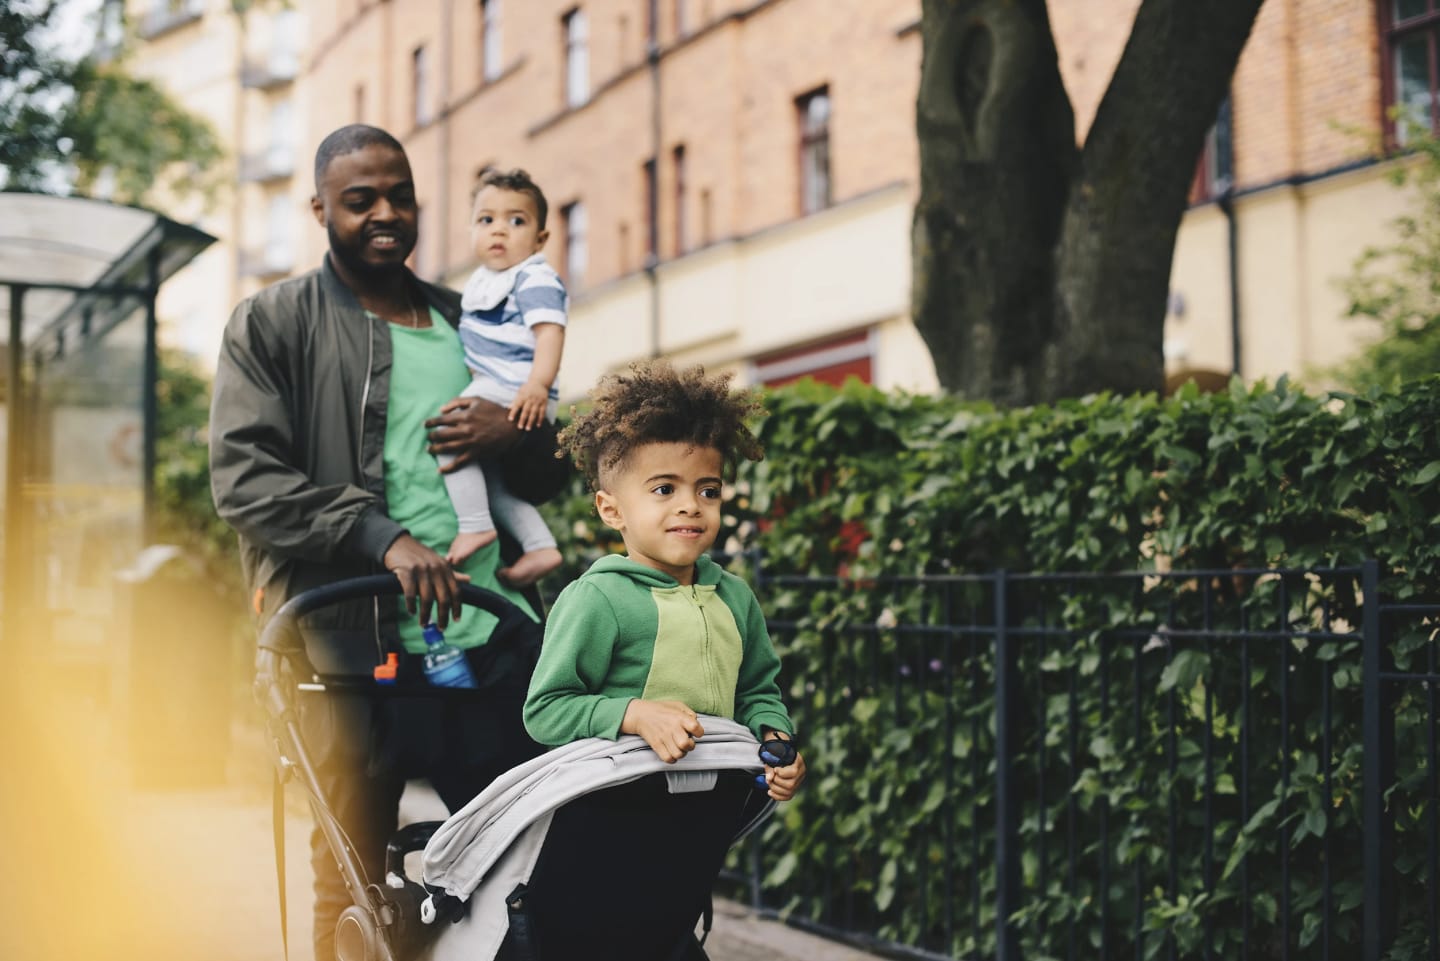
[
  {"x": 365, "y": 748},
  {"x": 366, "y": 806},
  {"x": 626, "y": 872}
]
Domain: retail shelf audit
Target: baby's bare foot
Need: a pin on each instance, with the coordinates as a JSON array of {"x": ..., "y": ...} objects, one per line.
[
  {"x": 530, "y": 567},
  {"x": 467, "y": 543}
]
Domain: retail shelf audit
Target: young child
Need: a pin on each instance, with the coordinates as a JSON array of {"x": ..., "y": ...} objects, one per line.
[
  {"x": 643, "y": 643},
  {"x": 513, "y": 331}
]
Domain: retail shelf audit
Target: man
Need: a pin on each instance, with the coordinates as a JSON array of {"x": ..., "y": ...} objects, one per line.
[{"x": 324, "y": 389}]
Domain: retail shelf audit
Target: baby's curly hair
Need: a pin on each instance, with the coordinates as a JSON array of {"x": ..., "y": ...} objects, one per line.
[{"x": 655, "y": 403}]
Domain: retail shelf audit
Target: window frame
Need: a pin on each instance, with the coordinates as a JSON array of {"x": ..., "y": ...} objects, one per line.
[
  {"x": 420, "y": 86},
  {"x": 811, "y": 143},
  {"x": 492, "y": 36},
  {"x": 280, "y": 135},
  {"x": 1392, "y": 34},
  {"x": 678, "y": 188},
  {"x": 576, "y": 239},
  {"x": 650, "y": 201},
  {"x": 279, "y": 249},
  {"x": 1214, "y": 169},
  {"x": 575, "y": 56}
]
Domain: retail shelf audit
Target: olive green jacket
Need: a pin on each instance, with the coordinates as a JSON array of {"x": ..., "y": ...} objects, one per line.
[{"x": 297, "y": 441}]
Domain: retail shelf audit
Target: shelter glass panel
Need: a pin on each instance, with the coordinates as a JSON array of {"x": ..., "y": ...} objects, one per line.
[{"x": 85, "y": 478}]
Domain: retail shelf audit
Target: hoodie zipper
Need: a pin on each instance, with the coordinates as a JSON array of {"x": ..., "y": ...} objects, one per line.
[{"x": 706, "y": 657}]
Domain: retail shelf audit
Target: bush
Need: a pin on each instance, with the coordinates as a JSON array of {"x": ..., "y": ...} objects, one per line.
[
  {"x": 1392, "y": 285},
  {"x": 861, "y": 483},
  {"x": 867, "y": 490}
]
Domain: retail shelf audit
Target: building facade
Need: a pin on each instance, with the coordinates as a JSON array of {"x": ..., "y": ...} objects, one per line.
[
  {"x": 723, "y": 188},
  {"x": 731, "y": 181},
  {"x": 241, "y": 72}
]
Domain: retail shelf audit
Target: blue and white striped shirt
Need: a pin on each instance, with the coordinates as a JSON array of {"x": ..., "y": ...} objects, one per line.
[{"x": 499, "y": 343}]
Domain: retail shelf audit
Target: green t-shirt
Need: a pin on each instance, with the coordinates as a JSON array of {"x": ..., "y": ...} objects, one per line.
[{"x": 428, "y": 370}]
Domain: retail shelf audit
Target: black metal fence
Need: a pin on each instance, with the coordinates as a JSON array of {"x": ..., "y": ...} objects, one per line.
[{"x": 1193, "y": 764}]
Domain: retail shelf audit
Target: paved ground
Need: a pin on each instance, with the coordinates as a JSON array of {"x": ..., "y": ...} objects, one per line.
[{"x": 99, "y": 868}]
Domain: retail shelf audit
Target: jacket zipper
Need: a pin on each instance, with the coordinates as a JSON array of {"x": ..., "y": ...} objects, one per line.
[{"x": 360, "y": 472}]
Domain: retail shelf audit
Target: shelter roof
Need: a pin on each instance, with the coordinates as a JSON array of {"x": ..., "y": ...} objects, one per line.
[{"x": 75, "y": 245}]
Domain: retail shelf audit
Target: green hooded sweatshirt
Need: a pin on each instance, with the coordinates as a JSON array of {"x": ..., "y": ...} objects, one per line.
[{"x": 624, "y": 630}]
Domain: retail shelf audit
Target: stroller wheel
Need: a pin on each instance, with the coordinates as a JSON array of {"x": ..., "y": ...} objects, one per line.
[{"x": 356, "y": 938}]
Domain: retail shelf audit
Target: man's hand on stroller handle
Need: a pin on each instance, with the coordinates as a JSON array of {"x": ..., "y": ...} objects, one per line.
[
  {"x": 782, "y": 782},
  {"x": 427, "y": 579},
  {"x": 669, "y": 727}
]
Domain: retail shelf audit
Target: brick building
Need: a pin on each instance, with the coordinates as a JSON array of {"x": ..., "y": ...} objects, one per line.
[{"x": 731, "y": 181}]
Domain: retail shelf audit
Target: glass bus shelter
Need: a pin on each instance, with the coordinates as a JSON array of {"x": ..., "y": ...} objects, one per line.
[{"x": 78, "y": 283}]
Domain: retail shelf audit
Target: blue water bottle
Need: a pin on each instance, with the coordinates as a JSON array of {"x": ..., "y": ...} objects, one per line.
[{"x": 445, "y": 664}]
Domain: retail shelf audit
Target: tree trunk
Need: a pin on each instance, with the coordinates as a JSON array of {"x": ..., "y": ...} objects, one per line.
[
  {"x": 997, "y": 151},
  {"x": 1040, "y": 270}
]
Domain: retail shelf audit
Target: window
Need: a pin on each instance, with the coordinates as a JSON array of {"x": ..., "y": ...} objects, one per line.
[
  {"x": 678, "y": 161},
  {"x": 814, "y": 110},
  {"x": 707, "y": 221},
  {"x": 830, "y": 362},
  {"x": 110, "y": 32},
  {"x": 280, "y": 152},
  {"x": 650, "y": 200},
  {"x": 422, "y": 257},
  {"x": 285, "y": 40},
  {"x": 490, "y": 63},
  {"x": 279, "y": 256},
  {"x": 1213, "y": 172},
  {"x": 577, "y": 243},
  {"x": 420, "y": 74},
  {"x": 577, "y": 58},
  {"x": 1412, "y": 29}
]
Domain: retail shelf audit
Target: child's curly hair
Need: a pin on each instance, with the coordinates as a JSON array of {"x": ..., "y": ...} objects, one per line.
[{"x": 655, "y": 403}]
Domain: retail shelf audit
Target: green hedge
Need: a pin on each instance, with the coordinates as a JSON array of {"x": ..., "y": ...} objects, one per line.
[
  {"x": 864, "y": 488},
  {"x": 907, "y": 484}
]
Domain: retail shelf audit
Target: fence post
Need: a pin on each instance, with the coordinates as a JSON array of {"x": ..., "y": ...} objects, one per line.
[
  {"x": 1007, "y": 800},
  {"x": 1375, "y": 857},
  {"x": 757, "y": 897}
]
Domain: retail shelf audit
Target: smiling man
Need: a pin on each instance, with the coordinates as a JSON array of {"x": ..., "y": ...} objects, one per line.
[{"x": 324, "y": 390}]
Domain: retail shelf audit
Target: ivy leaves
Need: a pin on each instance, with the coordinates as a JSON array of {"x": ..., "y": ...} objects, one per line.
[{"x": 862, "y": 491}]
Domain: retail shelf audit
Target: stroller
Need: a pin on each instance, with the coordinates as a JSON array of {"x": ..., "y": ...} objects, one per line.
[{"x": 628, "y": 864}]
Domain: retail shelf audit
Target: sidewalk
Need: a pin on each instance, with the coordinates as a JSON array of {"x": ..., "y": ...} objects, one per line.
[{"x": 124, "y": 873}]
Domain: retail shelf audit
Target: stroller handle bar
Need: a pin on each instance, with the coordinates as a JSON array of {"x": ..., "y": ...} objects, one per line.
[{"x": 281, "y": 636}]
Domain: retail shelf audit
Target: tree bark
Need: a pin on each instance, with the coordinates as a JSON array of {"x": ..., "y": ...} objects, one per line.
[
  {"x": 997, "y": 151},
  {"x": 1042, "y": 270}
]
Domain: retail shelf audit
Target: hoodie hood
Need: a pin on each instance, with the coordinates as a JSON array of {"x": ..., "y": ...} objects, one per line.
[{"x": 707, "y": 572}]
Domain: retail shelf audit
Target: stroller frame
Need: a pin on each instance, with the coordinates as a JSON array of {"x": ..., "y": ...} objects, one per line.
[{"x": 383, "y": 921}]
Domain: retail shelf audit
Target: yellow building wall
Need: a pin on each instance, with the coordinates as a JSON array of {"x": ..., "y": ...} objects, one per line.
[
  {"x": 1295, "y": 246},
  {"x": 847, "y": 268},
  {"x": 605, "y": 332}
]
